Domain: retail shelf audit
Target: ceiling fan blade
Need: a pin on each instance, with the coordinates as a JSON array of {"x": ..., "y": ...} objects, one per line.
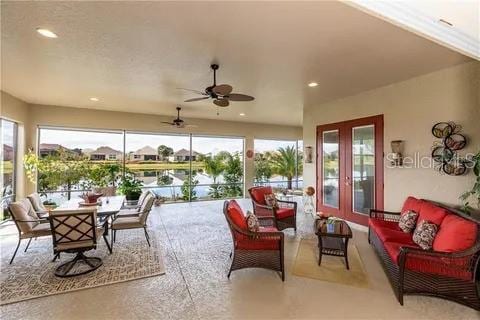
[
  {"x": 196, "y": 99},
  {"x": 195, "y": 91},
  {"x": 191, "y": 126},
  {"x": 166, "y": 122},
  {"x": 222, "y": 89},
  {"x": 221, "y": 102},
  {"x": 238, "y": 97}
]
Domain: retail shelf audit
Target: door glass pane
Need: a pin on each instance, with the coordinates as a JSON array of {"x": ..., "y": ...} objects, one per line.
[
  {"x": 363, "y": 153},
  {"x": 331, "y": 172}
]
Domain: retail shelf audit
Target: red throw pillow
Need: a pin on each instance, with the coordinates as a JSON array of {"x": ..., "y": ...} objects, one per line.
[
  {"x": 455, "y": 234},
  {"x": 235, "y": 213}
]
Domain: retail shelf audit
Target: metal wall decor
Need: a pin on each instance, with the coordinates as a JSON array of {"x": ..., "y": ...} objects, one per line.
[{"x": 444, "y": 153}]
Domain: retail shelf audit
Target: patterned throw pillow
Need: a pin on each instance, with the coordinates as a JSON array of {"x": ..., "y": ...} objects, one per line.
[
  {"x": 252, "y": 222},
  {"x": 424, "y": 234},
  {"x": 270, "y": 200},
  {"x": 407, "y": 221}
]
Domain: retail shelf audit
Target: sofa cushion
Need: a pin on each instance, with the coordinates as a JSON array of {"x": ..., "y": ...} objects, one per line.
[
  {"x": 389, "y": 231},
  {"x": 283, "y": 213},
  {"x": 408, "y": 220},
  {"x": 412, "y": 204},
  {"x": 258, "y": 194},
  {"x": 235, "y": 214},
  {"x": 455, "y": 234},
  {"x": 428, "y": 264},
  {"x": 252, "y": 244},
  {"x": 432, "y": 213}
]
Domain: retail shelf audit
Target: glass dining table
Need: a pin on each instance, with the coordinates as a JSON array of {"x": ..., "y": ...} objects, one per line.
[{"x": 107, "y": 207}]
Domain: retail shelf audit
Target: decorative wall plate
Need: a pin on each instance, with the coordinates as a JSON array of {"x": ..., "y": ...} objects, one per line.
[{"x": 444, "y": 154}]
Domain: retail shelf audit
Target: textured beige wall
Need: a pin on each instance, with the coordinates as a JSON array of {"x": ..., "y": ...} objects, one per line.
[
  {"x": 41, "y": 115},
  {"x": 410, "y": 108},
  {"x": 17, "y": 110}
]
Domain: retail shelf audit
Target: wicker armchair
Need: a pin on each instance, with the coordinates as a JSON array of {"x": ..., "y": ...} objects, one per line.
[
  {"x": 450, "y": 275},
  {"x": 263, "y": 249},
  {"x": 285, "y": 215}
]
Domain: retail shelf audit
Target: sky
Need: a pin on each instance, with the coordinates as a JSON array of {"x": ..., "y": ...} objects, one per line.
[{"x": 92, "y": 140}]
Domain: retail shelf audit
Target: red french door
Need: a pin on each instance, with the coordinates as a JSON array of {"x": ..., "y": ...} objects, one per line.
[{"x": 350, "y": 168}]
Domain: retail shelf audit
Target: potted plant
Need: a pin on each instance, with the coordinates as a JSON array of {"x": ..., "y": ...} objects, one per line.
[
  {"x": 474, "y": 192},
  {"x": 130, "y": 186},
  {"x": 49, "y": 204}
]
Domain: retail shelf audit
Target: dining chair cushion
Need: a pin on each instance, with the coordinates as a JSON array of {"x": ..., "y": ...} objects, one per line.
[
  {"x": 40, "y": 230},
  {"x": 142, "y": 197},
  {"x": 23, "y": 212},
  {"x": 128, "y": 212},
  {"x": 127, "y": 223},
  {"x": 82, "y": 244},
  {"x": 37, "y": 202}
]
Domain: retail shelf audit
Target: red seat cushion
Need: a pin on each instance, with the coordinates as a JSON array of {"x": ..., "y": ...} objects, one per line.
[
  {"x": 235, "y": 214},
  {"x": 455, "y": 234},
  {"x": 389, "y": 231},
  {"x": 413, "y": 204},
  {"x": 433, "y": 265},
  {"x": 251, "y": 244},
  {"x": 432, "y": 213},
  {"x": 258, "y": 193},
  {"x": 283, "y": 213}
]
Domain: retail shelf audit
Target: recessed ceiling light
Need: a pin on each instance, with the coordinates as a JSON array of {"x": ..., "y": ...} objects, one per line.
[
  {"x": 242, "y": 114},
  {"x": 94, "y": 99},
  {"x": 312, "y": 84},
  {"x": 47, "y": 33}
]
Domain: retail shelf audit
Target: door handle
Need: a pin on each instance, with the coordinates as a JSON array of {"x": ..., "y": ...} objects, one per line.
[{"x": 347, "y": 181}]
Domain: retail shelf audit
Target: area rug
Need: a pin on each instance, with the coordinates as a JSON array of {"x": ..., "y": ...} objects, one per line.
[
  {"x": 332, "y": 268},
  {"x": 32, "y": 273}
]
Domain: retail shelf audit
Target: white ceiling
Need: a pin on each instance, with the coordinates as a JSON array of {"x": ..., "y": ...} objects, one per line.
[{"x": 133, "y": 55}]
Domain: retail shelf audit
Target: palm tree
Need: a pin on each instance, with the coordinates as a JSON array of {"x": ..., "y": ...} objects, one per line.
[
  {"x": 284, "y": 163},
  {"x": 214, "y": 166}
]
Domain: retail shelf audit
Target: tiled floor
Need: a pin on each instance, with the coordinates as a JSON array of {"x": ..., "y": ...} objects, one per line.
[{"x": 197, "y": 242}]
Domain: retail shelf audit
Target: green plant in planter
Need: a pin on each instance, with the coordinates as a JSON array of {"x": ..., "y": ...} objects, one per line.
[
  {"x": 130, "y": 186},
  {"x": 474, "y": 192}
]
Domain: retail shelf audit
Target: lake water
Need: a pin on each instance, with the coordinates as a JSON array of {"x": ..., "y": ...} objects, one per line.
[{"x": 168, "y": 183}]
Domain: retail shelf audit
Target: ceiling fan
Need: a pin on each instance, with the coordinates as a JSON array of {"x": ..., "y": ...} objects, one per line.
[
  {"x": 179, "y": 123},
  {"x": 221, "y": 94}
]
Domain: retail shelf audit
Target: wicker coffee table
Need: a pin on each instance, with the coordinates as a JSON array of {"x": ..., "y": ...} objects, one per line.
[{"x": 334, "y": 241}]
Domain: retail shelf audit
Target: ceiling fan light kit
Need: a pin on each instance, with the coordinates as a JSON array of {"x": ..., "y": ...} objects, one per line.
[{"x": 221, "y": 94}]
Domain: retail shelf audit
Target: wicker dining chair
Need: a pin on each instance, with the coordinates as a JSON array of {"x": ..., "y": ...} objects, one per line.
[
  {"x": 285, "y": 215},
  {"x": 262, "y": 249},
  {"x": 28, "y": 224},
  {"x": 134, "y": 220},
  {"x": 75, "y": 231}
]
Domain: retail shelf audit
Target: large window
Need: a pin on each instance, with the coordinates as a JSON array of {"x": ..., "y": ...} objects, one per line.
[
  {"x": 72, "y": 161},
  {"x": 161, "y": 162},
  {"x": 220, "y": 173},
  {"x": 279, "y": 163},
  {"x": 181, "y": 167},
  {"x": 8, "y": 134}
]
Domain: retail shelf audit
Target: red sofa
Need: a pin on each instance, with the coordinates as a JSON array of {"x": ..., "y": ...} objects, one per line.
[
  {"x": 450, "y": 270},
  {"x": 285, "y": 216}
]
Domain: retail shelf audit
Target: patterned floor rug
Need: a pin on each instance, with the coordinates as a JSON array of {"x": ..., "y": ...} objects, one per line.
[{"x": 32, "y": 273}]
